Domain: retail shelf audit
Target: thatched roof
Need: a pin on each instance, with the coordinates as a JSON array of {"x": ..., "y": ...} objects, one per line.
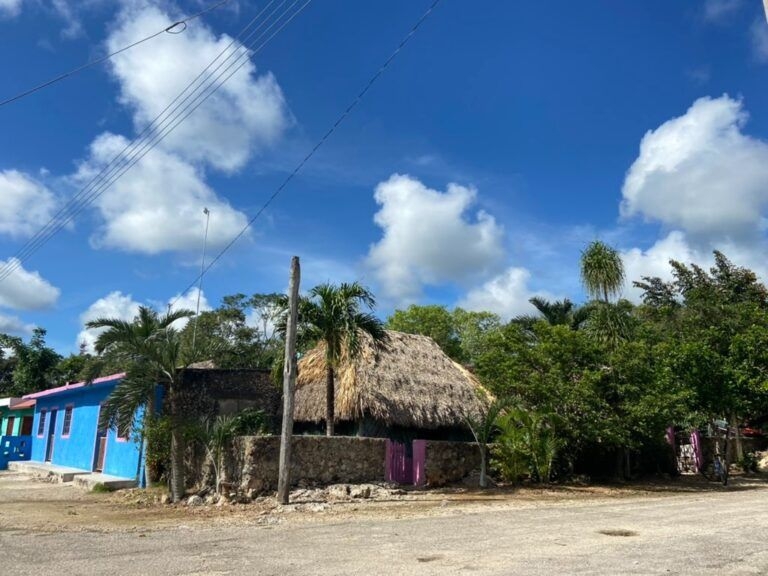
[{"x": 406, "y": 381}]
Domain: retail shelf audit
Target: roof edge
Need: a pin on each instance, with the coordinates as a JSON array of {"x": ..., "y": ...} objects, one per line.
[{"x": 76, "y": 385}]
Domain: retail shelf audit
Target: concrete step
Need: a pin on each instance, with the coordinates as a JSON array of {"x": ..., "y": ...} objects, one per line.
[
  {"x": 88, "y": 481},
  {"x": 46, "y": 471}
]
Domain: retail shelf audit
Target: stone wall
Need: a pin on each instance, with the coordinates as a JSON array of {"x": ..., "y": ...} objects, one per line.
[
  {"x": 450, "y": 461},
  {"x": 252, "y": 464}
]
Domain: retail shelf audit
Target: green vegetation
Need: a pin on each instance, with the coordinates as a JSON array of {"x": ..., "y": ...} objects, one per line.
[{"x": 579, "y": 389}]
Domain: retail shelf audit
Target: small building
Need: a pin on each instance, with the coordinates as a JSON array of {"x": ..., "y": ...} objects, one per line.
[
  {"x": 67, "y": 431},
  {"x": 404, "y": 388},
  {"x": 16, "y": 415}
]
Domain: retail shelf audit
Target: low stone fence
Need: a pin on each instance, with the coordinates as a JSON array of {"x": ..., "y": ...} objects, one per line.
[
  {"x": 251, "y": 463},
  {"x": 448, "y": 462}
]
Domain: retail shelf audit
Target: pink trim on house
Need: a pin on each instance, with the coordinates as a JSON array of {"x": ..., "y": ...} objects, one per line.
[{"x": 52, "y": 391}]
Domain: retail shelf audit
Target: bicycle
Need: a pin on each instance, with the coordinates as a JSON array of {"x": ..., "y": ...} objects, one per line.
[{"x": 721, "y": 460}]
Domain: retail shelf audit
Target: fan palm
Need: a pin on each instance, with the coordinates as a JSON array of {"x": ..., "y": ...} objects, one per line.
[
  {"x": 152, "y": 351},
  {"x": 335, "y": 316}
]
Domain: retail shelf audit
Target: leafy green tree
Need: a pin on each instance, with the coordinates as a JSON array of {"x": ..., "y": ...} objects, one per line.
[
  {"x": 33, "y": 364},
  {"x": 229, "y": 337},
  {"x": 154, "y": 355},
  {"x": 434, "y": 321},
  {"x": 713, "y": 318},
  {"x": 335, "y": 315}
]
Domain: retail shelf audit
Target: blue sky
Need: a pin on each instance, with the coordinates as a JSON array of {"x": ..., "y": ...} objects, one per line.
[{"x": 500, "y": 141}]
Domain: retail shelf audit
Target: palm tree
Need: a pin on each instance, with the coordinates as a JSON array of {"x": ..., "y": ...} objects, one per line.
[
  {"x": 152, "y": 350},
  {"x": 602, "y": 271},
  {"x": 333, "y": 315},
  {"x": 555, "y": 313}
]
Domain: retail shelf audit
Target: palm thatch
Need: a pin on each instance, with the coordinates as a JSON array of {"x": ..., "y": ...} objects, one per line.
[{"x": 406, "y": 381}]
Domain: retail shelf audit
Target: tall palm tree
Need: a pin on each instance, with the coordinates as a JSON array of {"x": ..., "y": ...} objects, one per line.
[
  {"x": 602, "y": 271},
  {"x": 153, "y": 354},
  {"x": 334, "y": 315}
]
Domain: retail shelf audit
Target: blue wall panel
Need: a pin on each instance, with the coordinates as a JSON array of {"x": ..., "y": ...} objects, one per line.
[{"x": 78, "y": 450}]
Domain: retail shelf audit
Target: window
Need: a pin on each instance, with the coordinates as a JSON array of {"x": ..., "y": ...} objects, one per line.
[
  {"x": 41, "y": 423},
  {"x": 123, "y": 431},
  {"x": 9, "y": 425},
  {"x": 67, "y": 421}
]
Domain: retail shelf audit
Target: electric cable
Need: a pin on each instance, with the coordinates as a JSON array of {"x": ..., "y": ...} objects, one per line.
[
  {"x": 317, "y": 146},
  {"x": 118, "y": 166},
  {"x": 175, "y": 28}
]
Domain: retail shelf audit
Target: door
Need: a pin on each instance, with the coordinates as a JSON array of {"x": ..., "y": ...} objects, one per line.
[
  {"x": 399, "y": 462},
  {"x": 9, "y": 425},
  {"x": 51, "y": 436},
  {"x": 101, "y": 450}
]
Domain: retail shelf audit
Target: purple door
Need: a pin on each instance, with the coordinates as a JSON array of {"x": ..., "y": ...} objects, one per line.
[
  {"x": 399, "y": 466},
  {"x": 405, "y": 462}
]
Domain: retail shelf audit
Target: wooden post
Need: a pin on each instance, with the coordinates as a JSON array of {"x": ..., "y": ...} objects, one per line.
[{"x": 289, "y": 384}]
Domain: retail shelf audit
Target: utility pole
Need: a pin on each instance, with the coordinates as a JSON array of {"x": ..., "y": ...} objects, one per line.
[{"x": 289, "y": 383}]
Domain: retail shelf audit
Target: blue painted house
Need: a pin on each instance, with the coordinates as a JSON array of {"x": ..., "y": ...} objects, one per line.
[
  {"x": 66, "y": 431},
  {"x": 15, "y": 430}
]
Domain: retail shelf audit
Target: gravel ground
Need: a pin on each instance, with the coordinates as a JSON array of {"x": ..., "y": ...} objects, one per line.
[{"x": 685, "y": 528}]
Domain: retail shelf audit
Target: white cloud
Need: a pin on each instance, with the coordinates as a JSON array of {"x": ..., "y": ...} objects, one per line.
[
  {"x": 158, "y": 205},
  {"x": 10, "y": 8},
  {"x": 14, "y": 326},
  {"x": 188, "y": 301},
  {"x": 25, "y": 204},
  {"x": 73, "y": 27},
  {"x": 244, "y": 115},
  {"x": 428, "y": 239},
  {"x": 24, "y": 290},
  {"x": 124, "y": 307},
  {"x": 655, "y": 261},
  {"x": 700, "y": 173},
  {"x": 675, "y": 246},
  {"x": 506, "y": 295},
  {"x": 113, "y": 305},
  {"x": 717, "y": 10},
  {"x": 759, "y": 35}
]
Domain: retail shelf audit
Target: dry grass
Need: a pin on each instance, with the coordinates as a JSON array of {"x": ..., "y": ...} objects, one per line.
[{"x": 407, "y": 381}]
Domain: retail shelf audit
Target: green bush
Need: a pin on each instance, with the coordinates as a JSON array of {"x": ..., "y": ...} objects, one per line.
[
  {"x": 748, "y": 462},
  {"x": 527, "y": 446}
]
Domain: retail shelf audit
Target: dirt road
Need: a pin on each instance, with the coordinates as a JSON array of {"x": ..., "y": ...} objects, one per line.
[{"x": 685, "y": 532}]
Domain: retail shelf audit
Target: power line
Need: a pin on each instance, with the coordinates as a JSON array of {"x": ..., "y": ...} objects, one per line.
[
  {"x": 89, "y": 193},
  {"x": 176, "y": 28},
  {"x": 144, "y": 144},
  {"x": 317, "y": 146}
]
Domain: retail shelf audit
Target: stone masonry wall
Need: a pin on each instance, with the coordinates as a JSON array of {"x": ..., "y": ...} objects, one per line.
[
  {"x": 252, "y": 464},
  {"x": 450, "y": 461}
]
